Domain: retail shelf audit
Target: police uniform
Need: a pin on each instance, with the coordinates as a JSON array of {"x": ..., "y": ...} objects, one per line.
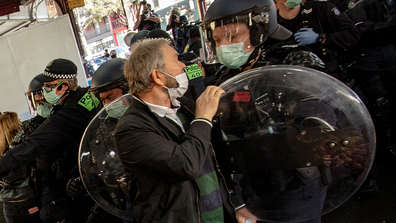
[
  {"x": 332, "y": 25},
  {"x": 58, "y": 139},
  {"x": 102, "y": 170}
]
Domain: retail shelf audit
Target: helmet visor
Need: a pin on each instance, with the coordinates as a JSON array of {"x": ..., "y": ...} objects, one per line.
[
  {"x": 34, "y": 99},
  {"x": 234, "y": 29}
]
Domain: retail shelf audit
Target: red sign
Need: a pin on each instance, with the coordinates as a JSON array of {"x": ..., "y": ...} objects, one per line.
[{"x": 242, "y": 96}]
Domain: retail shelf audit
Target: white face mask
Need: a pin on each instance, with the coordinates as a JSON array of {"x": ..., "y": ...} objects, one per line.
[{"x": 179, "y": 91}]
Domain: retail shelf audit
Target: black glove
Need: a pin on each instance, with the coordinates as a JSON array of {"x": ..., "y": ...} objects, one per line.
[{"x": 75, "y": 188}]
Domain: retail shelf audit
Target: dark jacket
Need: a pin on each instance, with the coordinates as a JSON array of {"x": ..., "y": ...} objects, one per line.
[
  {"x": 58, "y": 137},
  {"x": 17, "y": 184},
  {"x": 324, "y": 18},
  {"x": 193, "y": 45},
  {"x": 166, "y": 162},
  {"x": 176, "y": 26}
]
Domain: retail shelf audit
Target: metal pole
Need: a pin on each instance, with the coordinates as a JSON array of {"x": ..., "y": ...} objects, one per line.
[{"x": 126, "y": 16}]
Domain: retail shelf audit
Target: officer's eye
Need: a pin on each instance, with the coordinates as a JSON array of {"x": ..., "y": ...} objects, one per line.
[{"x": 217, "y": 42}]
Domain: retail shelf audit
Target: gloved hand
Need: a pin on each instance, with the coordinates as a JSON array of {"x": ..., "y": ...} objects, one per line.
[
  {"x": 75, "y": 188},
  {"x": 306, "y": 36}
]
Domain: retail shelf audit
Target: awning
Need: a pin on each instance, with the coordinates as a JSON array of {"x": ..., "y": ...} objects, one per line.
[{"x": 8, "y": 7}]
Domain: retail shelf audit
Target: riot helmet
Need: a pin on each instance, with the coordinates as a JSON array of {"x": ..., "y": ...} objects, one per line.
[
  {"x": 34, "y": 95},
  {"x": 230, "y": 22},
  {"x": 109, "y": 75}
]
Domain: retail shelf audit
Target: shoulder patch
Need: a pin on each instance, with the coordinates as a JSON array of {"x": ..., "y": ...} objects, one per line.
[
  {"x": 193, "y": 71},
  {"x": 307, "y": 11},
  {"x": 88, "y": 102},
  {"x": 335, "y": 11}
]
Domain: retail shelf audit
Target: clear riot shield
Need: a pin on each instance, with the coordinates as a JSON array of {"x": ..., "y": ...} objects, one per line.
[
  {"x": 299, "y": 142},
  {"x": 100, "y": 167}
]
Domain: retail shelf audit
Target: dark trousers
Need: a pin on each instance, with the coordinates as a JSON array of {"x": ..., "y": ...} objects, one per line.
[
  {"x": 56, "y": 206},
  {"x": 376, "y": 69},
  {"x": 21, "y": 212}
]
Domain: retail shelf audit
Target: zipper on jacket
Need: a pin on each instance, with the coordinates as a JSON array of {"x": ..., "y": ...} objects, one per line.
[{"x": 223, "y": 179}]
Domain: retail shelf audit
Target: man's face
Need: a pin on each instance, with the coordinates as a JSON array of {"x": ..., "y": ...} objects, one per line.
[
  {"x": 108, "y": 96},
  {"x": 172, "y": 65},
  {"x": 233, "y": 33}
]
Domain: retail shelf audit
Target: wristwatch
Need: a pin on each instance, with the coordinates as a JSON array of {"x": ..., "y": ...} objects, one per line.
[{"x": 321, "y": 38}]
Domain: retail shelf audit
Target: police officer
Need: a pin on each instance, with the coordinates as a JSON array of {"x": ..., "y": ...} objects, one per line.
[
  {"x": 246, "y": 44},
  {"x": 20, "y": 185},
  {"x": 319, "y": 27},
  {"x": 108, "y": 84},
  {"x": 38, "y": 107},
  {"x": 41, "y": 109},
  {"x": 236, "y": 36},
  {"x": 373, "y": 66},
  {"x": 58, "y": 138}
]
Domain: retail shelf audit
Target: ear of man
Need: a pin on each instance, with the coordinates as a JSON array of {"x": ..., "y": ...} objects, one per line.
[
  {"x": 158, "y": 77},
  {"x": 64, "y": 87}
]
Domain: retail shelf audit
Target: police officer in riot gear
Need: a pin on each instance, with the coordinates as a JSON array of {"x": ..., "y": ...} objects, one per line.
[
  {"x": 319, "y": 27},
  {"x": 241, "y": 36},
  {"x": 36, "y": 101},
  {"x": 58, "y": 138},
  {"x": 249, "y": 43},
  {"x": 105, "y": 170},
  {"x": 372, "y": 65},
  {"x": 108, "y": 82}
]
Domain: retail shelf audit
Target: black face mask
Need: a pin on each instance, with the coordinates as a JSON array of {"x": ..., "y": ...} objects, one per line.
[{"x": 113, "y": 56}]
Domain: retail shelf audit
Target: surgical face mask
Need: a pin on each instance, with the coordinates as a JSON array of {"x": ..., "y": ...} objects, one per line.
[
  {"x": 44, "y": 110},
  {"x": 52, "y": 98},
  {"x": 116, "y": 110},
  {"x": 292, "y": 3},
  {"x": 233, "y": 55},
  {"x": 179, "y": 91}
]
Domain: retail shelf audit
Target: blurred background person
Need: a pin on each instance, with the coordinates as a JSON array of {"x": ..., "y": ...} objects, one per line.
[
  {"x": 175, "y": 22},
  {"x": 146, "y": 19},
  {"x": 113, "y": 54},
  {"x": 18, "y": 197},
  {"x": 194, "y": 43}
]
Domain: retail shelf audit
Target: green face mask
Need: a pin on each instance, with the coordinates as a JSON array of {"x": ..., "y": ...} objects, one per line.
[
  {"x": 292, "y": 3},
  {"x": 116, "y": 110},
  {"x": 233, "y": 55},
  {"x": 44, "y": 110},
  {"x": 52, "y": 98}
]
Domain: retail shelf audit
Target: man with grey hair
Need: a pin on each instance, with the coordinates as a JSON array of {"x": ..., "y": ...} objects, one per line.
[{"x": 166, "y": 145}]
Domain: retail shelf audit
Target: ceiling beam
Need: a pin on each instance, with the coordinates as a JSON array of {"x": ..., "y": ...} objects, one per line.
[{"x": 16, "y": 28}]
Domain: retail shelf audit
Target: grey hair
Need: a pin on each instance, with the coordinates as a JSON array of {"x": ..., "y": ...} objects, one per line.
[
  {"x": 146, "y": 57},
  {"x": 73, "y": 83}
]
